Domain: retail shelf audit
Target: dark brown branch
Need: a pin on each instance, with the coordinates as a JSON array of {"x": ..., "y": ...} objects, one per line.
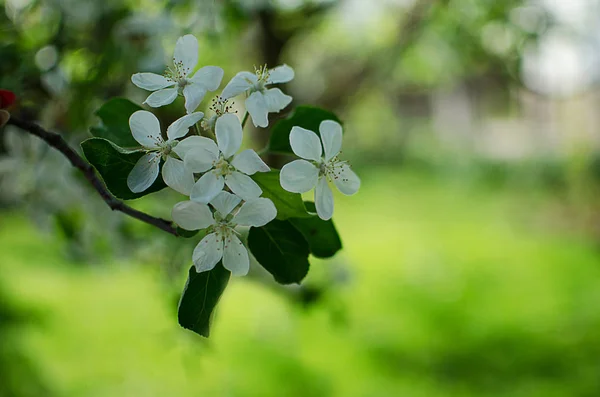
[{"x": 56, "y": 141}]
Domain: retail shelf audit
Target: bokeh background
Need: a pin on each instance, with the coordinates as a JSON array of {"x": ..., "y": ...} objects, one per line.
[{"x": 471, "y": 261}]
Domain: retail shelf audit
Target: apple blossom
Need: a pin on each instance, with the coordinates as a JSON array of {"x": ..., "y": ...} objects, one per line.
[
  {"x": 261, "y": 101},
  {"x": 314, "y": 169},
  {"x": 180, "y": 79},
  {"x": 222, "y": 240},
  {"x": 145, "y": 128},
  {"x": 220, "y": 166}
]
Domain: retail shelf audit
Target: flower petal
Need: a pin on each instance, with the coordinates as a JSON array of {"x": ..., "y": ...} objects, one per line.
[
  {"x": 249, "y": 163},
  {"x": 240, "y": 83},
  {"x": 207, "y": 187},
  {"x": 145, "y": 128},
  {"x": 276, "y": 100},
  {"x": 151, "y": 81},
  {"x": 225, "y": 202},
  {"x": 258, "y": 109},
  {"x": 235, "y": 256},
  {"x": 229, "y": 134},
  {"x": 182, "y": 125},
  {"x": 161, "y": 98},
  {"x": 242, "y": 185},
  {"x": 144, "y": 172},
  {"x": 257, "y": 212},
  {"x": 208, "y": 77},
  {"x": 186, "y": 53},
  {"x": 190, "y": 215},
  {"x": 193, "y": 94},
  {"x": 346, "y": 180},
  {"x": 199, "y": 160},
  {"x": 324, "y": 199},
  {"x": 305, "y": 143},
  {"x": 177, "y": 176},
  {"x": 331, "y": 136},
  {"x": 197, "y": 143},
  {"x": 281, "y": 74},
  {"x": 299, "y": 176},
  {"x": 208, "y": 252}
]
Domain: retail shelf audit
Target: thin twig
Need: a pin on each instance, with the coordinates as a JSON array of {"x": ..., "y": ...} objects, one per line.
[{"x": 57, "y": 142}]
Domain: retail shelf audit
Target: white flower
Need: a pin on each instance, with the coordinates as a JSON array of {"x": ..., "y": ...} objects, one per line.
[
  {"x": 222, "y": 241},
  {"x": 145, "y": 128},
  {"x": 220, "y": 165},
  {"x": 261, "y": 101},
  {"x": 300, "y": 176},
  {"x": 179, "y": 79}
]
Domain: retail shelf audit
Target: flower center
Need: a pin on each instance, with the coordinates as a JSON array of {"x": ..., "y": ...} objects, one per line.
[
  {"x": 262, "y": 74},
  {"x": 178, "y": 74},
  {"x": 221, "y": 106},
  {"x": 332, "y": 169},
  {"x": 222, "y": 167},
  {"x": 165, "y": 148}
]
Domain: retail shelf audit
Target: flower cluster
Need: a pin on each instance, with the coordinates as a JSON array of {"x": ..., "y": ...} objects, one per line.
[{"x": 214, "y": 173}]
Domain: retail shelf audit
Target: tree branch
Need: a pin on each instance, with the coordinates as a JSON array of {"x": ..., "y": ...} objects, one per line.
[{"x": 57, "y": 142}]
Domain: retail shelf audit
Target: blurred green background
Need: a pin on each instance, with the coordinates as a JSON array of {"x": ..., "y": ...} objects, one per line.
[{"x": 471, "y": 261}]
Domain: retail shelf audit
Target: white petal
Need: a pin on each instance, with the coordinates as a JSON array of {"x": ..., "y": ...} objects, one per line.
[
  {"x": 186, "y": 53},
  {"x": 208, "y": 77},
  {"x": 281, "y": 74},
  {"x": 190, "y": 215},
  {"x": 243, "y": 185},
  {"x": 199, "y": 160},
  {"x": 229, "y": 134},
  {"x": 257, "y": 212},
  {"x": 324, "y": 199},
  {"x": 151, "y": 81},
  {"x": 240, "y": 83},
  {"x": 346, "y": 180},
  {"x": 177, "y": 176},
  {"x": 207, "y": 187},
  {"x": 225, "y": 202},
  {"x": 144, "y": 172},
  {"x": 305, "y": 144},
  {"x": 197, "y": 143},
  {"x": 258, "y": 109},
  {"x": 276, "y": 100},
  {"x": 145, "y": 128},
  {"x": 331, "y": 136},
  {"x": 299, "y": 176},
  {"x": 161, "y": 98},
  {"x": 193, "y": 94},
  {"x": 208, "y": 252},
  {"x": 249, "y": 163},
  {"x": 235, "y": 256},
  {"x": 181, "y": 126}
]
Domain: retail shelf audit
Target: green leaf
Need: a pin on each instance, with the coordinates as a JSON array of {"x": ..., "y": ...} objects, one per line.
[
  {"x": 289, "y": 205},
  {"x": 281, "y": 249},
  {"x": 114, "y": 165},
  {"x": 115, "y": 122},
  {"x": 308, "y": 117},
  {"x": 200, "y": 295},
  {"x": 322, "y": 237}
]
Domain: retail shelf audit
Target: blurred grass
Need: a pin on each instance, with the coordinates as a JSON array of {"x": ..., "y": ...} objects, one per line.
[{"x": 453, "y": 289}]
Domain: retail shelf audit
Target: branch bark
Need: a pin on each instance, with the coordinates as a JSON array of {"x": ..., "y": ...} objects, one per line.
[{"x": 57, "y": 142}]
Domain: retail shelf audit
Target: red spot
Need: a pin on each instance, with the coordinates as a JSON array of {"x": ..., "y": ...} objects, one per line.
[{"x": 7, "y": 98}]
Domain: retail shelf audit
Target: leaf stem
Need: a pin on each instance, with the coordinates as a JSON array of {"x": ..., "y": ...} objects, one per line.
[{"x": 58, "y": 142}]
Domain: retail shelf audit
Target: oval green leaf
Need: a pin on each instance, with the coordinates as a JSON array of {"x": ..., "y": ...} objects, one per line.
[
  {"x": 289, "y": 205},
  {"x": 115, "y": 122},
  {"x": 114, "y": 164},
  {"x": 281, "y": 249},
  {"x": 200, "y": 296},
  {"x": 322, "y": 236}
]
